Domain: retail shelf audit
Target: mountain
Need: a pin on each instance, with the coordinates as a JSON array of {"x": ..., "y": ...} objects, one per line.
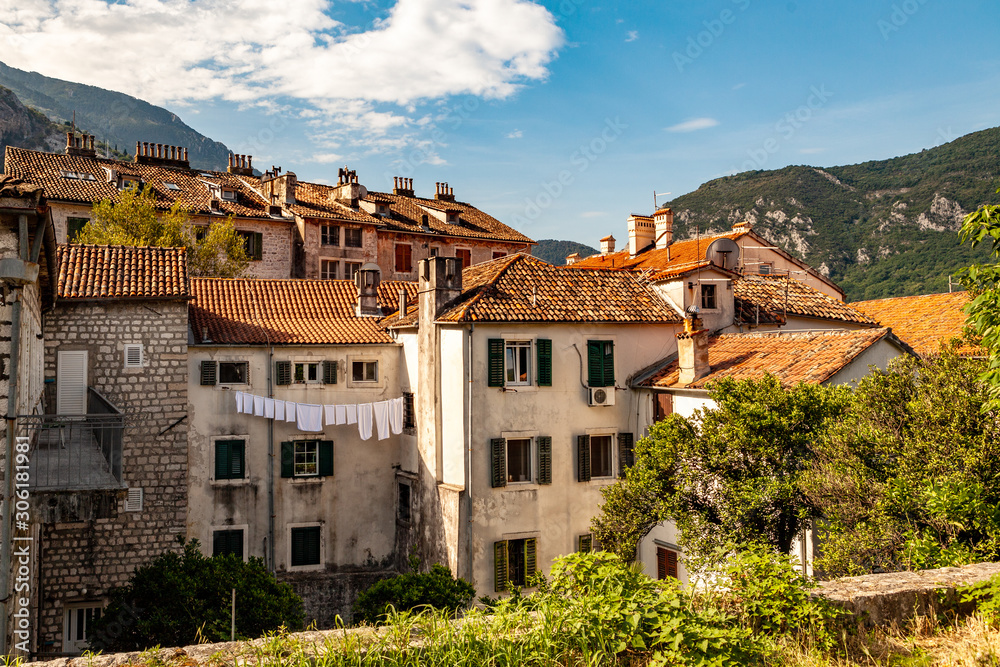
[
  {"x": 119, "y": 119},
  {"x": 879, "y": 229},
  {"x": 554, "y": 252},
  {"x": 27, "y": 128}
]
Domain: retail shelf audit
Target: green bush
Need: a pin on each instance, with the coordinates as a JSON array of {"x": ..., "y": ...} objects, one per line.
[
  {"x": 437, "y": 589},
  {"x": 986, "y": 596}
]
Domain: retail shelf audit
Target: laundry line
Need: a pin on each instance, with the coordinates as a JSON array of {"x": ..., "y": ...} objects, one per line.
[{"x": 385, "y": 416}]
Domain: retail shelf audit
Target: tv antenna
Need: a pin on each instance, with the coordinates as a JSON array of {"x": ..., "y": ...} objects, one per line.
[{"x": 655, "y": 195}]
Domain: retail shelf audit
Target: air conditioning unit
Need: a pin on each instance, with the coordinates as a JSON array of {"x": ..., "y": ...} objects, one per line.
[{"x": 602, "y": 395}]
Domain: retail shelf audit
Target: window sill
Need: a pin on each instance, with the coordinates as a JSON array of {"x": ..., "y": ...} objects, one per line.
[
  {"x": 520, "y": 486},
  {"x": 318, "y": 567},
  {"x": 519, "y": 388},
  {"x": 230, "y": 482},
  {"x": 305, "y": 480}
]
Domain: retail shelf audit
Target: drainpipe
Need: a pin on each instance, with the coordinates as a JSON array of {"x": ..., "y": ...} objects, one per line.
[
  {"x": 269, "y": 551},
  {"x": 468, "y": 451}
]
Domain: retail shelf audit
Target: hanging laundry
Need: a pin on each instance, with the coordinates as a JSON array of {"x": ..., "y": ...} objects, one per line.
[
  {"x": 396, "y": 415},
  {"x": 352, "y": 414},
  {"x": 365, "y": 420},
  {"x": 239, "y": 402},
  {"x": 309, "y": 417},
  {"x": 289, "y": 411},
  {"x": 258, "y": 406},
  {"x": 247, "y": 404},
  {"x": 330, "y": 411},
  {"x": 269, "y": 408},
  {"x": 381, "y": 419},
  {"x": 279, "y": 410},
  {"x": 341, "y": 413}
]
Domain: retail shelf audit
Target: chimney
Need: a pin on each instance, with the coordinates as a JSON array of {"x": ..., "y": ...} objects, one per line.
[
  {"x": 439, "y": 283},
  {"x": 743, "y": 227},
  {"x": 161, "y": 154},
  {"x": 641, "y": 233},
  {"x": 444, "y": 193},
  {"x": 404, "y": 304},
  {"x": 607, "y": 245},
  {"x": 664, "y": 225},
  {"x": 82, "y": 145},
  {"x": 348, "y": 191},
  {"x": 367, "y": 279},
  {"x": 241, "y": 165},
  {"x": 402, "y": 186},
  {"x": 572, "y": 259},
  {"x": 282, "y": 189},
  {"x": 692, "y": 351}
]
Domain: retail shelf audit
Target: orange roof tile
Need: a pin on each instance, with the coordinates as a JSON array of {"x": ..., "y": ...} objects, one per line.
[
  {"x": 791, "y": 358},
  {"x": 121, "y": 272},
  {"x": 286, "y": 312},
  {"x": 923, "y": 322},
  {"x": 677, "y": 253},
  {"x": 769, "y": 299}
]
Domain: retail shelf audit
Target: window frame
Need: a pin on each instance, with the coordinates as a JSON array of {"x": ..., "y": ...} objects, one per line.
[
  {"x": 246, "y": 373},
  {"x": 305, "y": 364},
  {"x": 508, "y": 546},
  {"x": 610, "y": 456},
  {"x": 73, "y": 227},
  {"x": 253, "y": 244},
  {"x": 365, "y": 363},
  {"x": 229, "y": 477},
  {"x": 293, "y": 528},
  {"x": 403, "y": 257},
  {"x": 351, "y": 270},
  {"x": 601, "y": 357},
  {"x": 132, "y": 347},
  {"x": 327, "y": 233},
  {"x": 405, "y": 517},
  {"x": 71, "y": 644},
  {"x": 349, "y": 240},
  {"x": 325, "y": 266},
  {"x": 241, "y": 529},
  {"x": 664, "y": 564},
  {"x": 528, "y": 443},
  {"x": 524, "y": 346},
  {"x": 708, "y": 295},
  {"x": 310, "y": 449},
  {"x": 463, "y": 254}
]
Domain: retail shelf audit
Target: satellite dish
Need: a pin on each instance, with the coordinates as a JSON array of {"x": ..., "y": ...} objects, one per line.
[{"x": 724, "y": 253}]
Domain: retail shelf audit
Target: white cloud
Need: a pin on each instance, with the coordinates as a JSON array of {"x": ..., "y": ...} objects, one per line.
[
  {"x": 693, "y": 125},
  {"x": 632, "y": 36},
  {"x": 516, "y": 134}
]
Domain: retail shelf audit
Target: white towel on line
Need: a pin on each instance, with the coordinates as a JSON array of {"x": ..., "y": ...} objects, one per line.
[
  {"x": 269, "y": 408},
  {"x": 365, "y": 420},
  {"x": 258, "y": 406},
  {"x": 289, "y": 411},
  {"x": 396, "y": 415},
  {"x": 341, "y": 414},
  {"x": 279, "y": 410},
  {"x": 239, "y": 402},
  {"x": 381, "y": 409},
  {"x": 247, "y": 403},
  {"x": 352, "y": 414},
  {"x": 309, "y": 417},
  {"x": 331, "y": 417}
]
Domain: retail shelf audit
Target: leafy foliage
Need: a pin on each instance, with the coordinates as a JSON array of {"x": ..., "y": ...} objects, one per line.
[
  {"x": 729, "y": 474},
  {"x": 986, "y": 596},
  {"x": 135, "y": 220},
  {"x": 178, "y": 598},
  {"x": 910, "y": 477},
  {"x": 437, "y": 589}
]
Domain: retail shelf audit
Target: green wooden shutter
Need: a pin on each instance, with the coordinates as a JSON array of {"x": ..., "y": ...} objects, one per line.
[
  {"x": 219, "y": 542},
  {"x": 583, "y": 457},
  {"x": 258, "y": 245},
  {"x": 626, "y": 453},
  {"x": 287, "y": 459},
  {"x": 609, "y": 363},
  {"x": 585, "y": 543},
  {"x": 208, "y": 372},
  {"x": 500, "y": 566},
  {"x": 544, "y": 459},
  {"x": 495, "y": 376},
  {"x": 282, "y": 372},
  {"x": 237, "y": 459},
  {"x": 498, "y": 462},
  {"x": 530, "y": 557},
  {"x": 305, "y": 546},
  {"x": 329, "y": 372},
  {"x": 595, "y": 364},
  {"x": 543, "y": 353},
  {"x": 222, "y": 459},
  {"x": 326, "y": 458}
]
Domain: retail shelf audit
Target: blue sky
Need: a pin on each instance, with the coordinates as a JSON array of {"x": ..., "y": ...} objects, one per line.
[{"x": 558, "y": 117}]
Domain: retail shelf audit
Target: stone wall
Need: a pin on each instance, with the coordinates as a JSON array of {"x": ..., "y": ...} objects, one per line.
[
  {"x": 325, "y": 595},
  {"x": 81, "y": 560}
]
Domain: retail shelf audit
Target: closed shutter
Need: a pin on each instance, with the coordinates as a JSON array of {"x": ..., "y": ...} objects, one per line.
[
  {"x": 583, "y": 457},
  {"x": 329, "y": 372},
  {"x": 236, "y": 459},
  {"x": 209, "y": 372},
  {"x": 326, "y": 458},
  {"x": 666, "y": 563},
  {"x": 609, "y": 364},
  {"x": 227, "y": 542},
  {"x": 282, "y": 372},
  {"x": 222, "y": 459},
  {"x": 71, "y": 383},
  {"x": 495, "y": 376},
  {"x": 530, "y": 558},
  {"x": 544, "y": 459},
  {"x": 258, "y": 245},
  {"x": 543, "y": 352},
  {"x": 305, "y": 546},
  {"x": 626, "y": 453},
  {"x": 287, "y": 459},
  {"x": 500, "y": 566},
  {"x": 585, "y": 543},
  {"x": 229, "y": 459},
  {"x": 498, "y": 462},
  {"x": 595, "y": 363}
]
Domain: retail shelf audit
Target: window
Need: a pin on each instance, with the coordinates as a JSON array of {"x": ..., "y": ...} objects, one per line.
[
  {"x": 465, "y": 255},
  {"x": 233, "y": 372},
  {"x": 585, "y": 543},
  {"x": 306, "y": 371},
  {"x": 595, "y": 455},
  {"x": 328, "y": 269},
  {"x": 515, "y": 562},
  {"x": 434, "y": 252},
  {"x": 133, "y": 355},
  {"x": 230, "y": 459},
  {"x": 708, "y": 297},
  {"x": 227, "y": 542},
  {"x": 497, "y": 254},
  {"x": 600, "y": 363},
  {"x": 364, "y": 371},
  {"x": 517, "y": 362},
  {"x": 307, "y": 458},
  {"x": 663, "y": 406},
  {"x": 351, "y": 270},
  {"x": 404, "y": 262},
  {"x": 409, "y": 414},
  {"x": 229, "y": 195},
  {"x": 666, "y": 563},
  {"x": 253, "y": 244},
  {"x": 329, "y": 235},
  {"x": 519, "y": 460},
  {"x": 765, "y": 268},
  {"x": 305, "y": 546},
  {"x": 514, "y": 461},
  {"x": 352, "y": 237},
  {"x": 403, "y": 502},
  {"x": 78, "y": 176},
  {"x": 73, "y": 227},
  {"x": 77, "y": 624},
  {"x": 171, "y": 186},
  {"x": 200, "y": 232}
]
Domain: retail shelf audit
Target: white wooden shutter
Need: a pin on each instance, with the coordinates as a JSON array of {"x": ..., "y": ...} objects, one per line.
[
  {"x": 133, "y": 501},
  {"x": 71, "y": 382},
  {"x": 133, "y": 355}
]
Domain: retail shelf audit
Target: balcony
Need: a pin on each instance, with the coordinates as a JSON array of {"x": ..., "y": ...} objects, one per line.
[{"x": 76, "y": 452}]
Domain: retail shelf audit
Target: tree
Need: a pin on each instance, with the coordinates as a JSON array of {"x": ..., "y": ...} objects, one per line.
[
  {"x": 178, "y": 598},
  {"x": 983, "y": 282},
  {"x": 437, "y": 589},
  {"x": 135, "y": 220},
  {"x": 910, "y": 477},
  {"x": 729, "y": 475}
]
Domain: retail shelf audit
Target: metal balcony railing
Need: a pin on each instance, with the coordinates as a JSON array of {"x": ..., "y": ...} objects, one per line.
[{"x": 76, "y": 452}]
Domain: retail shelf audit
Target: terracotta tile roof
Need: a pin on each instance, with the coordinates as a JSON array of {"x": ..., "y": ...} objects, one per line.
[
  {"x": 766, "y": 299},
  {"x": 285, "y": 312},
  {"x": 315, "y": 200},
  {"x": 522, "y": 288},
  {"x": 792, "y": 358},
  {"x": 922, "y": 322},
  {"x": 121, "y": 272},
  {"x": 677, "y": 254},
  {"x": 406, "y": 215}
]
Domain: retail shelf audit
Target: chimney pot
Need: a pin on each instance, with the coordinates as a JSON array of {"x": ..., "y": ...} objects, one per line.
[
  {"x": 641, "y": 233},
  {"x": 692, "y": 351},
  {"x": 663, "y": 221},
  {"x": 607, "y": 245}
]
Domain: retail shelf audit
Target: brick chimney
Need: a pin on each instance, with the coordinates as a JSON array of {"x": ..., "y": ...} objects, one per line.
[
  {"x": 641, "y": 233},
  {"x": 241, "y": 165},
  {"x": 743, "y": 227},
  {"x": 440, "y": 282},
  {"x": 82, "y": 145},
  {"x": 279, "y": 188},
  {"x": 692, "y": 351},
  {"x": 367, "y": 279},
  {"x": 607, "y": 245},
  {"x": 348, "y": 191},
  {"x": 402, "y": 186},
  {"x": 663, "y": 221},
  {"x": 572, "y": 259},
  {"x": 444, "y": 193},
  {"x": 163, "y": 155}
]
